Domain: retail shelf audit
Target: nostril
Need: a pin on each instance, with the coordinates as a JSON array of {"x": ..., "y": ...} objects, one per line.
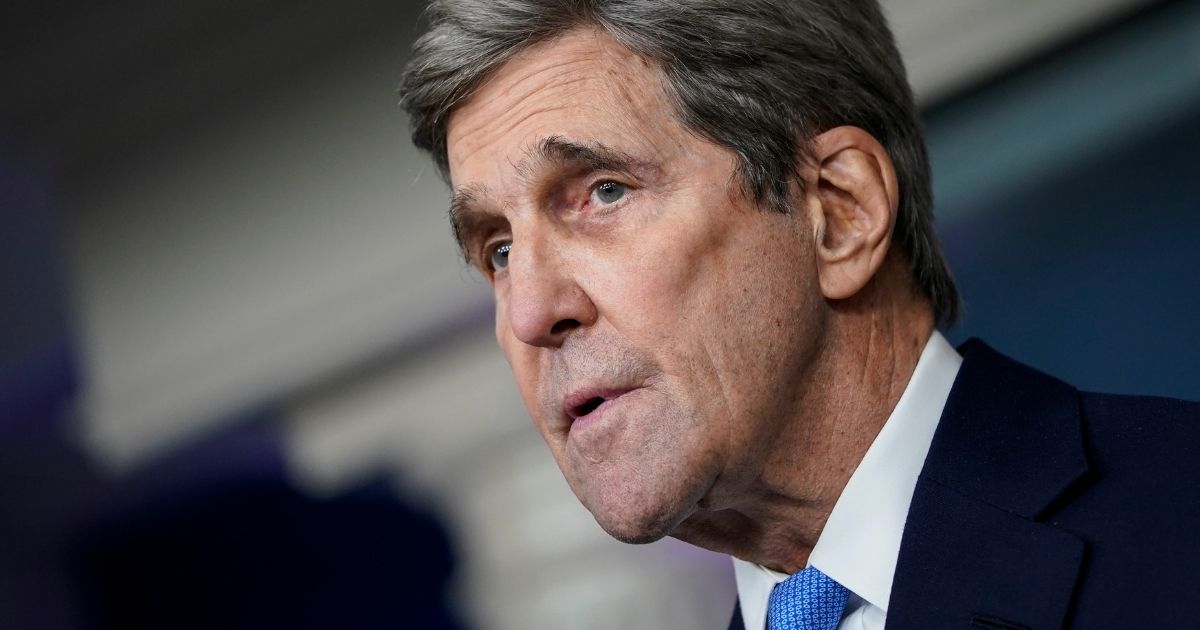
[{"x": 563, "y": 325}]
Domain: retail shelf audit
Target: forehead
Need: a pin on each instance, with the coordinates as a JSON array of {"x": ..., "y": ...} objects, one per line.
[{"x": 583, "y": 86}]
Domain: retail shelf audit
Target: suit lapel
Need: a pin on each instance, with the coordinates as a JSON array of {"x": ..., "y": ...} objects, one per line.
[
  {"x": 736, "y": 623},
  {"x": 974, "y": 552}
]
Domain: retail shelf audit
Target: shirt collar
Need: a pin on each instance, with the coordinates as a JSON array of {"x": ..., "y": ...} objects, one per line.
[{"x": 861, "y": 540}]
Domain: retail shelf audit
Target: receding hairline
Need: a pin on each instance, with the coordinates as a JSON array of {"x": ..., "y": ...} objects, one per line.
[
  {"x": 532, "y": 50},
  {"x": 727, "y": 68}
]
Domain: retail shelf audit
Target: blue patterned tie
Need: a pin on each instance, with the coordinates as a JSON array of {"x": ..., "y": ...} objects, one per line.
[{"x": 808, "y": 600}]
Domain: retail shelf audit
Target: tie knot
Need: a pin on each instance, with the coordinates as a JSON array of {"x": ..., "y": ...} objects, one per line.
[{"x": 807, "y": 600}]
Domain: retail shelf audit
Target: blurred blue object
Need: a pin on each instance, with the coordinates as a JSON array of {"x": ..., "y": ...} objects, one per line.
[
  {"x": 261, "y": 555},
  {"x": 46, "y": 487},
  {"x": 38, "y": 373}
]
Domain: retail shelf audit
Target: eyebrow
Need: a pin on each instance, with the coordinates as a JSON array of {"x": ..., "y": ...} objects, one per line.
[
  {"x": 468, "y": 219},
  {"x": 594, "y": 156}
]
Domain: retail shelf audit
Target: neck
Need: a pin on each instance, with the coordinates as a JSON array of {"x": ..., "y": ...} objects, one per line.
[{"x": 864, "y": 364}]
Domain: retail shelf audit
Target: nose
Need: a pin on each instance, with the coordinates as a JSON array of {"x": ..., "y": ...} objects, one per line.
[{"x": 545, "y": 301}]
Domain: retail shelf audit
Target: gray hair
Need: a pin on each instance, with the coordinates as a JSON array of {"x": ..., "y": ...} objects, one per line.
[{"x": 755, "y": 76}]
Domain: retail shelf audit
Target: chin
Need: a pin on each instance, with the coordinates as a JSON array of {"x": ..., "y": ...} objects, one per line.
[
  {"x": 642, "y": 496},
  {"x": 633, "y": 533},
  {"x": 638, "y": 519}
]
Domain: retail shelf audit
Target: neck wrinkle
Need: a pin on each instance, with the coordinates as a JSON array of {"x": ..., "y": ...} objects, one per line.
[{"x": 860, "y": 374}]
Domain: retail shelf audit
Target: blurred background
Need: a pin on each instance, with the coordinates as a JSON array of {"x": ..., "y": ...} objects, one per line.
[{"x": 246, "y": 382}]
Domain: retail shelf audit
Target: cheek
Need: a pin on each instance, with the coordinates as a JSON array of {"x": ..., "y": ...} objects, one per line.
[
  {"x": 657, "y": 287},
  {"x": 522, "y": 360}
]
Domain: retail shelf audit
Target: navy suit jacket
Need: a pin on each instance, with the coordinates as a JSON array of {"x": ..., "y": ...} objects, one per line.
[{"x": 1043, "y": 507}]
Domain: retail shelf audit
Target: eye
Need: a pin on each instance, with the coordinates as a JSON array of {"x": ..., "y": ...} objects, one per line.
[
  {"x": 609, "y": 192},
  {"x": 497, "y": 254}
]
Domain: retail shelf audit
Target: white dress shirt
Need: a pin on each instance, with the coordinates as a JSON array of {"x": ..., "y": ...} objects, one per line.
[{"x": 861, "y": 540}]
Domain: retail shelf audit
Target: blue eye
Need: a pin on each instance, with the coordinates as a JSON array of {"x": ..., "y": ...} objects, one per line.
[
  {"x": 498, "y": 254},
  {"x": 610, "y": 192}
]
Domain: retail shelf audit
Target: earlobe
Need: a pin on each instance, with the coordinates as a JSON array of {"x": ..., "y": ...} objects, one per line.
[{"x": 855, "y": 196}]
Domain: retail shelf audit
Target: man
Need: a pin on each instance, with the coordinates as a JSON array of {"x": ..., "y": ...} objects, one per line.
[{"x": 708, "y": 228}]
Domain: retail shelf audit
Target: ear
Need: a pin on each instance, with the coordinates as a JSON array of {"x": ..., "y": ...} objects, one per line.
[{"x": 853, "y": 197}]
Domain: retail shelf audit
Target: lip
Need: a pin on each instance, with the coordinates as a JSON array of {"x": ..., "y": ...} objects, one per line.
[{"x": 589, "y": 403}]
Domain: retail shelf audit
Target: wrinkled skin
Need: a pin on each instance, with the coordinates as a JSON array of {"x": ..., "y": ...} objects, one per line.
[
  {"x": 700, "y": 303},
  {"x": 698, "y": 365}
]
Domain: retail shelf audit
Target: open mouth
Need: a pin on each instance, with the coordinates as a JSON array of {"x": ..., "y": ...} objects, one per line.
[
  {"x": 587, "y": 407},
  {"x": 582, "y": 403}
]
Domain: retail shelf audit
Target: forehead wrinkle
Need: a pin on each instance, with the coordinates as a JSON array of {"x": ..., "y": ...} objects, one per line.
[
  {"x": 487, "y": 129},
  {"x": 532, "y": 73},
  {"x": 558, "y": 65},
  {"x": 521, "y": 88}
]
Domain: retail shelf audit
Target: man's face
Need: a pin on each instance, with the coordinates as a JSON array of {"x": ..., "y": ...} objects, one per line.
[{"x": 659, "y": 325}]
